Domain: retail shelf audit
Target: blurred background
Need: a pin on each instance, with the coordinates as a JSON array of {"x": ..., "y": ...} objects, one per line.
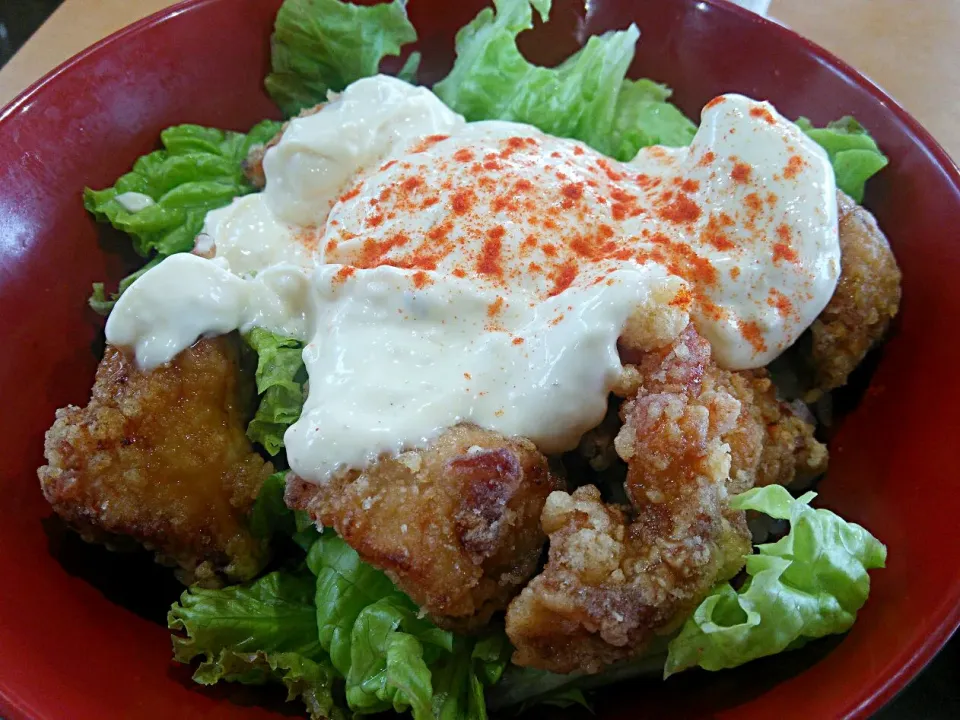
[
  {"x": 908, "y": 47},
  {"x": 19, "y": 20}
]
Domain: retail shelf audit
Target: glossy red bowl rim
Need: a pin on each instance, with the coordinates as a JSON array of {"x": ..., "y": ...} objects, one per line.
[{"x": 950, "y": 620}]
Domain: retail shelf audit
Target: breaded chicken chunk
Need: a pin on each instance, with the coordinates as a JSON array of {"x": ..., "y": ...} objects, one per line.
[
  {"x": 455, "y": 526},
  {"x": 771, "y": 441},
  {"x": 162, "y": 458},
  {"x": 616, "y": 577},
  {"x": 865, "y": 301}
]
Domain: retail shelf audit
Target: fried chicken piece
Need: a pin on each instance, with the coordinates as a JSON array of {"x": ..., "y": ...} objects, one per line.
[
  {"x": 617, "y": 577},
  {"x": 455, "y": 526},
  {"x": 162, "y": 458},
  {"x": 772, "y": 441},
  {"x": 865, "y": 301}
]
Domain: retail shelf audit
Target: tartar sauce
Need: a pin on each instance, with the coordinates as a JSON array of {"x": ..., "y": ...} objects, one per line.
[{"x": 443, "y": 272}]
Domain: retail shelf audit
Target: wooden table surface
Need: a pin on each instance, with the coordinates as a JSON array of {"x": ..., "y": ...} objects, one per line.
[{"x": 906, "y": 46}]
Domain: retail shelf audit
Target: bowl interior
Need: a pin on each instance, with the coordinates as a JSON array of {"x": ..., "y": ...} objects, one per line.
[{"x": 82, "y": 630}]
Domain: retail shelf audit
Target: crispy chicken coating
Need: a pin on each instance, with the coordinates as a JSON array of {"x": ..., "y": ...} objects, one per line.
[
  {"x": 617, "y": 577},
  {"x": 162, "y": 458},
  {"x": 455, "y": 526},
  {"x": 865, "y": 301},
  {"x": 771, "y": 440}
]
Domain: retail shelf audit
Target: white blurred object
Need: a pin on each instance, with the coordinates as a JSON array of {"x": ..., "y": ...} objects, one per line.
[{"x": 758, "y": 6}]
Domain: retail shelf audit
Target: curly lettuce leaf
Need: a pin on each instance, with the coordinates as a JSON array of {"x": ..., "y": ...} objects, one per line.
[
  {"x": 390, "y": 657},
  {"x": 272, "y": 614},
  {"x": 320, "y": 46},
  {"x": 198, "y": 170},
  {"x": 643, "y": 117},
  {"x": 808, "y": 584},
  {"x": 490, "y": 656},
  {"x": 459, "y": 685},
  {"x": 305, "y": 680},
  {"x": 345, "y": 586},
  {"x": 281, "y": 379},
  {"x": 372, "y": 632},
  {"x": 853, "y": 153},
  {"x": 258, "y": 633},
  {"x": 270, "y": 515},
  {"x": 338, "y": 628},
  {"x": 587, "y": 97},
  {"x": 387, "y": 666},
  {"x": 162, "y": 202}
]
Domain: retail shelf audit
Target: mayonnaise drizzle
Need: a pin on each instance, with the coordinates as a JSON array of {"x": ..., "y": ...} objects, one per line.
[{"x": 445, "y": 272}]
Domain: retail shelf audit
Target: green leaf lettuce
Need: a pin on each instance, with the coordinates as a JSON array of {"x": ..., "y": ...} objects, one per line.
[
  {"x": 391, "y": 657},
  {"x": 281, "y": 378},
  {"x": 808, "y": 584},
  {"x": 340, "y": 636},
  {"x": 162, "y": 202},
  {"x": 373, "y": 633},
  {"x": 324, "y": 45},
  {"x": 587, "y": 97},
  {"x": 270, "y": 515},
  {"x": 853, "y": 153},
  {"x": 257, "y": 633}
]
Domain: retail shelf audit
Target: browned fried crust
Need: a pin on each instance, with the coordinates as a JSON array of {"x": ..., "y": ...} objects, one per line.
[
  {"x": 770, "y": 443},
  {"x": 616, "y": 578},
  {"x": 455, "y": 526},
  {"x": 865, "y": 301},
  {"x": 162, "y": 457}
]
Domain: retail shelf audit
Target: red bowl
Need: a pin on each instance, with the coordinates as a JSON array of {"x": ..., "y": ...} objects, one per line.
[{"x": 81, "y": 634}]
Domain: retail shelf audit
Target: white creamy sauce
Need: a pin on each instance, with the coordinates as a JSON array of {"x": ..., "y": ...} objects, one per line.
[
  {"x": 319, "y": 154},
  {"x": 134, "y": 202},
  {"x": 203, "y": 297},
  {"x": 445, "y": 272}
]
